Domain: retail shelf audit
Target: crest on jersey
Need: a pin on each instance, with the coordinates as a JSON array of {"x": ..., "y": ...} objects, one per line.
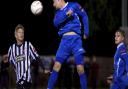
[
  {"x": 20, "y": 58},
  {"x": 123, "y": 51}
]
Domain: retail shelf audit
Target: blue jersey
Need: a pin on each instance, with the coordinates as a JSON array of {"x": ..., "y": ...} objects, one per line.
[
  {"x": 120, "y": 61},
  {"x": 67, "y": 23}
]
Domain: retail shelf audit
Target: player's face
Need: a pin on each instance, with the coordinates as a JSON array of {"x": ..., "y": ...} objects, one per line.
[
  {"x": 118, "y": 38},
  {"x": 19, "y": 35},
  {"x": 56, "y": 4}
]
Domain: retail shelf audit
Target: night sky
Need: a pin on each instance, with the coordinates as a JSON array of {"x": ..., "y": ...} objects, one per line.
[{"x": 39, "y": 30}]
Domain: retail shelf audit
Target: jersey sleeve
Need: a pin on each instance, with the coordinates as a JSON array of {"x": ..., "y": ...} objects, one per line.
[
  {"x": 82, "y": 13},
  {"x": 124, "y": 55},
  {"x": 33, "y": 53}
]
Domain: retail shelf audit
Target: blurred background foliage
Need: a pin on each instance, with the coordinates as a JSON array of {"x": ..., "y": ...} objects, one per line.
[{"x": 103, "y": 14}]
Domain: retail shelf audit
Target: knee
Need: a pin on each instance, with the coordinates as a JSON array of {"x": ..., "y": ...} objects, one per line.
[
  {"x": 57, "y": 66},
  {"x": 80, "y": 69}
]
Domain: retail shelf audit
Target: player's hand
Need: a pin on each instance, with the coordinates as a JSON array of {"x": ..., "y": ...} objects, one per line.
[
  {"x": 5, "y": 58},
  {"x": 69, "y": 13},
  {"x": 109, "y": 79},
  {"x": 85, "y": 37}
]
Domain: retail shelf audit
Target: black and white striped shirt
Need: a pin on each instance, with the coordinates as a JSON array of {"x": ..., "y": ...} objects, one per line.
[{"x": 21, "y": 56}]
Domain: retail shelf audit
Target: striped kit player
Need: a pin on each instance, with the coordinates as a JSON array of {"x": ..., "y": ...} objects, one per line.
[{"x": 20, "y": 55}]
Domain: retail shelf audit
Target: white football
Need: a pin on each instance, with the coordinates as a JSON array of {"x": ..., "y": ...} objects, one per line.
[{"x": 36, "y": 7}]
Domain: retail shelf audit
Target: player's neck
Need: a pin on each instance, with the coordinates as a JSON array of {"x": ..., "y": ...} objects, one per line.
[
  {"x": 19, "y": 42},
  {"x": 63, "y": 4}
]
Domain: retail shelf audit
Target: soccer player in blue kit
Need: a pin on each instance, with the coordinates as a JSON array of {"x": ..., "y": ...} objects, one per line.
[
  {"x": 67, "y": 20},
  {"x": 120, "y": 75}
]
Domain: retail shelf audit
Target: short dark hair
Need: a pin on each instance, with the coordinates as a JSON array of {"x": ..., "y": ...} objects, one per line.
[
  {"x": 122, "y": 32},
  {"x": 19, "y": 26}
]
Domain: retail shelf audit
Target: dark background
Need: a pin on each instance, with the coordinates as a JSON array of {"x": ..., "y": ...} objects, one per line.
[{"x": 104, "y": 20}]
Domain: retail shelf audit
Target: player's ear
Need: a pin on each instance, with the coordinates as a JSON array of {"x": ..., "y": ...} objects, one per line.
[{"x": 123, "y": 38}]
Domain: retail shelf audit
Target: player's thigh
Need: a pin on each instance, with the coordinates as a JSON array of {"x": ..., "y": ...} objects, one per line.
[
  {"x": 63, "y": 52},
  {"x": 77, "y": 47}
]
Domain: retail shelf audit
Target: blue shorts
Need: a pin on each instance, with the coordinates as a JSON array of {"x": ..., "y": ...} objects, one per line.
[{"x": 70, "y": 44}]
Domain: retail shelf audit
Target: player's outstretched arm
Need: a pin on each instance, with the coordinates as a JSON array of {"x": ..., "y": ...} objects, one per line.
[{"x": 81, "y": 12}]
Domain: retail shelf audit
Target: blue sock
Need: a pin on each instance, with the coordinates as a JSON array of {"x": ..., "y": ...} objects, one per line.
[
  {"x": 83, "y": 81},
  {"x": 52, "y": 79}
]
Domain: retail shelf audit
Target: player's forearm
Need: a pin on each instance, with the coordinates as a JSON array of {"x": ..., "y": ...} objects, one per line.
[
  {"x": 85, "y": 21},
  {"x": 86, "y": 28},
  {"x": 86, "y": 25}
]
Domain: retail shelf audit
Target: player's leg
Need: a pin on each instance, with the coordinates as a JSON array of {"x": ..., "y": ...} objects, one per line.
[
  {"x": 61, "y": 56},
  {"x": 54, "y": 75},
  {"x": 81, "y": 71},
  {"x": 78, "y": 52}
]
